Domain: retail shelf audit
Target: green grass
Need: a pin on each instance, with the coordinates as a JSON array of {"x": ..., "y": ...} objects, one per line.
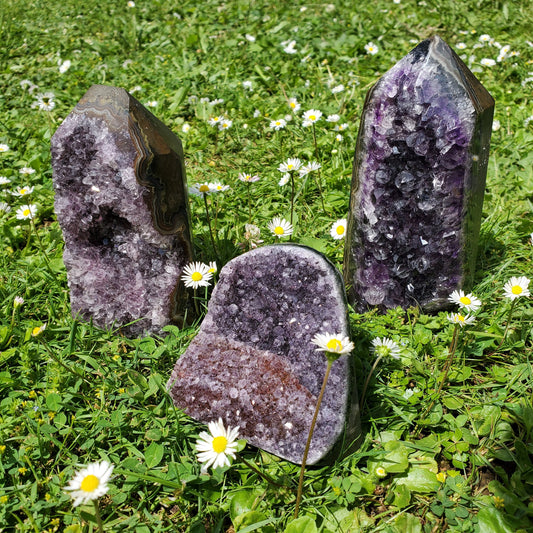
[{"x": 76, "y": 394}]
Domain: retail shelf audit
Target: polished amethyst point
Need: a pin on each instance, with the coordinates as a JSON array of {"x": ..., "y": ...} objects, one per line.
[
  {"x": 418, "y": 182},
  {"x": 121, "y": 201},
  {"x": 253, "y": 363}
]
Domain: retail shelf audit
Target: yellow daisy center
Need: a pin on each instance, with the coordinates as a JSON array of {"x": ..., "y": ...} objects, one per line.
[
  {"x": 26, "y": 212},
  {"x": 36, "y": 331},
  {"x": 340, "y": 230},
  {"x": 516, "y": 289},
  {"x": 465, "y": 300},
  {"x": 196, "y": 276},
  {"x": 278, "y": 122},
  {"x": 204, "y": 188},
  {"x": 293, "y": 105},
  {"x": 460, "y": 318},
  {"x": 90, "y": 483},
  {"x": 380, "y": 471},
  {"x": 219, "y": 444},
  {"x": 312, "y": 117},
  {"x": 334, "y": 345},
  {"x": 23, "y": 191},
  {"x": 289, "y": 167},
  {"x": 278, "y": 230}
]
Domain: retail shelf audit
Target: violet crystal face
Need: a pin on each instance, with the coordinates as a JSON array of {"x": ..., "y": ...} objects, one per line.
[
  {"x": 253, "y": 363},
  {"x": 418, "y": 182},
  {"x": 121, "y": 202}
]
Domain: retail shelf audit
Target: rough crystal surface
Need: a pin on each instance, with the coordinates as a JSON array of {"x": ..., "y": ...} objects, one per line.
[
  {"x": 253, "y": 364},
  {"x": 418, "y": 182},
  {"x": 121, "y": 202}
]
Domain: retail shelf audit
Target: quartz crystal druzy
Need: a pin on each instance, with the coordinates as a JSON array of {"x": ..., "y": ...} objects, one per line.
[
  {"x": 121, "y": 202},
  {"x": 418, "y": 182},
  {"x": 253, "y": 363}
]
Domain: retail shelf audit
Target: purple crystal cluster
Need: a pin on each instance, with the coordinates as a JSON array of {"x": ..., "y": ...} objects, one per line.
[
  {"x": 418, "y": 182},
  {"x": 253, "y": 363},
  {"x": 121, "y": 201}
]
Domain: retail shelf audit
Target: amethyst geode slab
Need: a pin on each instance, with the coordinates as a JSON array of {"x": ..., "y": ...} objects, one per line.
[
  {"x": 418, "y": 182},
  {"x": 253, "y": 363},
  {"x": 121, "y": 202}
]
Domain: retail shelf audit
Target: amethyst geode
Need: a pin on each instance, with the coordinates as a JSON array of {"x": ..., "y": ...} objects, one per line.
[
  {"x": 121, "y": 202},
  {"x": 418, "y": 182},
  {"x": 253, "y": 363}
]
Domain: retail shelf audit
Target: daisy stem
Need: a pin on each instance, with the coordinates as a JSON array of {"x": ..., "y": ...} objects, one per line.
[
  {"x": 292, "y": 196},
  {"x": 249, "y": 205},
  {"x": 365, "y": 387},
  {"x": 262, "y": 475},
  {"x": 98, "y": 516},
  {"x": 447, "y": 366},
  {"x": 210, "y": 228},
  {"x": 309, "y": 437},
  {"x": 317, "y": 179},
  {"x": 508, "y": 323}
]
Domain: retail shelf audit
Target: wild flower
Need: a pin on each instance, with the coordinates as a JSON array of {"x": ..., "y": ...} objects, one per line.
[
  {"x": 247, "y": 85},
  {"x": 218, "y": 187},
  {"x": 341, "y": 127},
  {"x": 4, "y": 207},
  {"x": 22, "y": 191},
  {"x": 185, "y": 128},
  {"x": 466, "y": 301},
  {"x": 249, "y": 38},
  {"x": 380, "y": 471},
  {"x": 225, "y": 124},
  {"x": 516, "y": 288},
  {"x": 44, "y": 101},
  {"x": 18, "y": 301},
  {"x": 486, "y": 62},
  {"x": 26, "y": 171},
  {"x": 333, "y": 343},
  {"x": 496, "y": 125},
  {"x": 213, "y": 267},
  {"x": 196, "y": 275},
  {"x": 338, "y": 89},
  {"x": 288, "y": 47},
  {"x": 291, "y": 165},
  {"x": 385, "y": 347},
  {"x": 4, "y": 180},
  {"x": 333, "y": 118},
  {"x": 200, "y": 189},
  {"x": 339, "y": 137},
  {"x": 310, "y": 167},
  {"x": 278, "y": 124},
  {"x": 284, "y": 179},
  {"x": 26, "y": 212},
  {"x": 293, "y": 104},
  {"x": 215, "y": 121},
  {"x": 151, "y": 103},
  {"x": 311, "y": 116},
  {"x": 131, "y": 3},
  {"x": 90, "y": 483},
  {"x": 4, "y": 148},
  {"x": 248, "y": 178},
  {"x": 216, "y": 447},
  {"x": 484, "y": 38},
  {"x": 371, "y": 49},
  {"x": 460, "y": 319},
  {"x": 64, "y": 66},
  {"x": 460, "y": 46},
  {"x": 279, "y": 227},
  {"x": 338, "y": 230},
  {"x": 36, "y": 331}
]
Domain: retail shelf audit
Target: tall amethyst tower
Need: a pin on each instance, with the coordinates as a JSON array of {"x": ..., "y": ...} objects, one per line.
[
  {"x": 121, "y": 201},
  {"x": 418, "y": 182}
]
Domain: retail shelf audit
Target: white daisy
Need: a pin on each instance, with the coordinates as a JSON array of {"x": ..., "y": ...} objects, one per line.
[
  {"x": 288, "y": 47},
  {"x": 131, "y": 3},
  {"x": 63, "y": 67},
  {"x": 293, "y": 104},
  {"x": 341, "y": 127},
  {"x": 215, "y": 448},
  {"x": 225, "y": 124},
  {"x": 280, "y": 227},
  {"x": 371, "y": 49},
  {"x": 292, "y": 164},
  {"x": 249, "y": 38},
  {"x": 4, "y": 207},
  {"x": 44, "y": 101},
  {"x": 200, "y": 189},
  {"x": 27, "y": 171},
  {"x": 332, "y": 343},
  {"x": 218, "y": 187},
  {"x": 462, "y": 320},
  {"x": 247, "y": 85},
  {"x": 196, "y": 275},
  {"x": 4, "y": 180},
  {"x": 338, "y": 137},
  {"x": 185, "y": 128},
  {"x": 486, "y": 62},
  {"x": 36, "y": 331},
  {"x": 18, "y": 301},
  {"x": 338, "y": 89},
  {"x": 380, "y": 471},
  {"x": 278, "y": 124},
  {"x": 312, "y": 116},
  {"x": 385, "y": 347},
  {"x": 248, "y": 177},
  {"x": 151, "y": 103},
  {"x": 516, "y": 287},
  {"x": 460, "y": 46},
  {"x": 90, "y": 483},
  {"x": 26, "y": 212},
  {"x": 310, "y": 167},
  {"x": 213, "y": 267},
  {"x": 338, "y": 230},
  {"x": 22, "y": 191},
  {"x": 284, "y": 179},
  {"x": 333, "y": 118},
  {"x": 485, "y": 38},
  {"x": 215, "y": 121},
  {"x": 4, "y": 148},
  {"x": 467, "y": 301}
]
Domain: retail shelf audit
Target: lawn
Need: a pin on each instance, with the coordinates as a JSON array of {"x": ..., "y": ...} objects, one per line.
[{"x": 447, "y": 426}]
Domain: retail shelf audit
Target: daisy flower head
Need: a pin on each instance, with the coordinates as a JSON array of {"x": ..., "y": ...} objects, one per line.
[
  {"x": 26, "y": 212},
  {"x": 462, "y": 320},
  {"x": 516, "y": 287},
  {"x": 341, "y": 127},
  {"x": 333, "y": 118},
  {"x": 293, "y": 104},
  {"x": 131, "y": 3},
  {"x": 213, "y": 269},
  {"x": 385, "y": 347},
  {"x": 22, "y": 191},
  {"x": 339, "y": 137},
  {"x": 338, "y": 230},
  {"x": 216, "y": 447},
  {"x": 247, "y": 85},
  {"x": 279, "y": 227},
  {"x": 337, "y": 89},
  {"x": 64, "y": 66},
  {"x": 201, "y": 189},
  {"x": 26, "y": 171},
  {"x": 485, "y": 38},
  {"x": 250, "y": 178},
  {"x": 151, "y": 103},
  {"x": 4, "y": 148},
  {"x": 486, "y": 62},
  {"x": 218, "y": 187},
  {"x": 4, "y": 207},
  {"x": 381, "y": 472},
  {"x": 292, "y": 164},
  {"x": 36, "y": 331},
  {"x": 225, "y": 124},
  {"x": 284, "y": 179},
  {"x": 90, "y": 483},
  {"x": 333, "y": 344},
  {"x": 4, "y": 180},
  {"x": 249, "y": 38},
  {"x": 185, "y": 128},
  {"x": 18, "y": 301},
  {"x": 196, "y": 275},
  {"x": 466, "y": 301},
  {"x": 215, "y": 121},
  {"x": 44, "y": 101},
  {"x": 460, "y": 46},
  {"x": 278, "y": 124},
  {"x": 310, "y": 167},
  {"x": 371, "y": 49},
  {"x": 312, "y": 116},
  {"x": 288, "y": 47}
]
